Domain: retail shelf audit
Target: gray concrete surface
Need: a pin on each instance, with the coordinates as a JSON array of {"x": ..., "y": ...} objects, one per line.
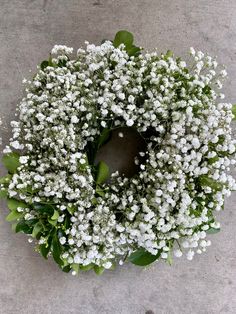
[{"x": 28, "y": 284}]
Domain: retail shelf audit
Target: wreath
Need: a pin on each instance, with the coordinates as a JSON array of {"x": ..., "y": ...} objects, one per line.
[{"x": 70, "y": 204}]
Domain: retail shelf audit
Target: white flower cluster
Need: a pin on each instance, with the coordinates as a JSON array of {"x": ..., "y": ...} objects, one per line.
[{"x": 189, "y": 151}]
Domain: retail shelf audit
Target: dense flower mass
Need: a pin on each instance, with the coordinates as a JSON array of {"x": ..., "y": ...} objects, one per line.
[{"x": 169, "y": 205}]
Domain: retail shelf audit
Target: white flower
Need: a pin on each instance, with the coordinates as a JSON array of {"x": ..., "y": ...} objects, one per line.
[
  {"x": 107, "y": 265},
  {"x": 74, "y": 119},
  {"x": 62, "y": 240},
  {"x": 178, "y": 253},
  {"x": 129, "y": 122},
  {"x": 23, "y": 159},
  {"x": 190, "y": 255}
]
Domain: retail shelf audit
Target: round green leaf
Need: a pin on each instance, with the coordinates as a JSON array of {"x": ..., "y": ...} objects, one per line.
[
  {"x": 44, "y": 64},
  {"x": 123, "y": 37},
  {"x": 143, "y": 258}
]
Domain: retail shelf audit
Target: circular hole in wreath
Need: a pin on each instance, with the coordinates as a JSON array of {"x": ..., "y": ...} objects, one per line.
[{"x": 120, "y": 151}]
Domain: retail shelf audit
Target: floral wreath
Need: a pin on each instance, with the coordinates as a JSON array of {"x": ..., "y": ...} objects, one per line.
[{"x": 72, "y": 207}]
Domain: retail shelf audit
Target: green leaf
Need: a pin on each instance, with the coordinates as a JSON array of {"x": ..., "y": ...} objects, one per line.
[
  {"x": 13, "y": 204},
  {"x": 71, "y": 209},
  {"x": 98, "y": 269},
  {"x": 11, "y": 161},
  {"x": 212, "y": 230},
  {"x": 133, "y": 51},
  {"x": 100, "y": 191},
  {"x": 169, "y": 54},
  {"x": 37, "y": 229},
  {"x": 87, "y": 267},
  {"x": 56, "y": 250},
  {"x": 123, "y": 37},
  {"x": 104, "y": 137},
  {"x": 66, "y": 268},
  {"x": 43, "y": 208},
  {"x": 94, "y": 201},
  {"x": 169, "y": 258},
  {"x": 44, "y": 64},
  {"x": 234, "y": 111},
  {"x": 55, "y": 215},
  {"x": 6, "y": 179},
  {"x": 75, "y": 268},
  {"x": 45, "y": 248},
  {"x": 67, "y": 222},
  {"x": 52, "y": 222},
  {"x": 22, "y": 226},
  {"x": 143, "y": 258},
  {"x": 204, "y": 180},
  {"x": 3, "y": 193},
  {"x": 102, "y": 172},
  {"x": 14, "y": 215}
]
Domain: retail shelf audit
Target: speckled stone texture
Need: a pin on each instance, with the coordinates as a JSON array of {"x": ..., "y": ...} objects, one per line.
[{"x": 28, "y": 284}]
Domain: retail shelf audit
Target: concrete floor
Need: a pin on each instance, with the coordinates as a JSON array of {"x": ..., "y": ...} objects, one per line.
[{"x": 28, "y": 284}]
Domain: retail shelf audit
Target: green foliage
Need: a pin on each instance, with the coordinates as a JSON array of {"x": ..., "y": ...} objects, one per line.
[
  {"x": 43, "y": 208},
  {"x": 13, "y": 204},
  {"x": 71, "y": 209},
  {"x": 102, "y": 172},
  {"x": 104, "y": 137},
  {"x": 87, "y": 267},
  {"x": 169, "y": 54},
  {"x": 38, "y": 227},
  {"x": 45, "y": 248},
  {"x": 100, "y": 192},
  {"x": 66, "y": 268},
  {"x": 75, "y": 267},
  {"x": 212, "y": 230},
  {"x": 24, "y": 227},
  {"x": 98, "y": 269},
  {"x": 11, "y": 161},
  {"x": 55, "y": 215},
  {"x": 143, "y": 258},
  {"x": 46, "y": 63},
  {"x": 204, "y": 180},
  {"x": 169, "y": 257},
  {"x": 126, "y": 38},
  {"x": 3, "y": 193},
  {"x": 234, "y": 111},
  {"x": 14, "y": 215},
  {"x": 123, "y": 37},
  {"x": 6, "y": 179},
  {"x": 56, "y": 250}
]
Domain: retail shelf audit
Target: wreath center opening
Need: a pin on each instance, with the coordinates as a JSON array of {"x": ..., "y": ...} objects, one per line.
[{"x": 120, "y": 152}]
